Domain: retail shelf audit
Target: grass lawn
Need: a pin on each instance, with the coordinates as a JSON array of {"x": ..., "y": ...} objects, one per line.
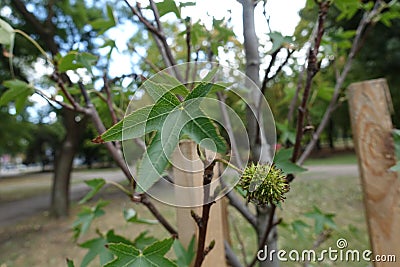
[{"x": 39, "y": 241}]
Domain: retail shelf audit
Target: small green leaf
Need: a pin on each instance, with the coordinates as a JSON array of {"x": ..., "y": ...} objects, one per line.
[
  {"x": 7, "y": 37},
  {"x": 321, "y": 220},
  {"x": 152, "y": 255},
  {"x": 74, "y": 60},
  {"x": 95, "y": 185},
  {"x": 102, "y": 25},
  {"x": 143, "y": 240},
  {"x": 97, "y": 248},
  {"x": 70, "y": 263},
  {"x": 131, "y": 215},
  {"x": 17, "y": 90},
  {"x": 86, "y": 216},
  {"x": 168, "y": 6},
  {"x": 298, "y": 227},
  {"x": 157, "y": 154},
  {"x": 200, "y": 90},
  {"x": 283, "y": 162},
  {"x": 7, "y": 33},
  {"x": 184, "y": 257}
]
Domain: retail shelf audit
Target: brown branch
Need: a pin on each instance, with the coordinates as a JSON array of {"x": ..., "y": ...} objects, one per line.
[
  {"x": 367, "y": 18},
  {"x": 109, "y": 100},
  {"x": 203, "y": 223},
  {"x": 145, "y": 201},
  {"x": 295, "y": 97},
  {"x": 189, "y": 48},
  {"x": 312, "y": 70},
  {"x": 268, "y": 70},
  {"x": 267, "y": 79},
  {"x": 270, "y": 225}
]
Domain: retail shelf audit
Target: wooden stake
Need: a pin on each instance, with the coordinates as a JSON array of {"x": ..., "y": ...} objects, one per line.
[
  {"x": 370, "y": 106},
  {"x": 187, "y": 159}
]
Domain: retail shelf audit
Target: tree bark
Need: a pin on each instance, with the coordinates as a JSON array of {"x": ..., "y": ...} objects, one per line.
[
  {"x": 64, "y": 162},
  {"x": 251, "y": 46}
]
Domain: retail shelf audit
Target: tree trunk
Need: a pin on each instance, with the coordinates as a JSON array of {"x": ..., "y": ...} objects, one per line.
[
  {"x": 251, "y": 46},
  {"x": 63, "y": 164}
]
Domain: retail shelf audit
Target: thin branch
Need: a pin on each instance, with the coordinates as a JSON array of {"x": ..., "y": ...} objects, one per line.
[
  {"x": 367, "y": 18},
  {"x": 189, "y": 48},
  {"x": 267, "y": 79},
  {"x": 237, "y": 203},
  {"x": 295, "y": 97},
  {"x": 231, "y": 256},
  {"x": 312, "y": 70},
  {"x": 145, "y": 201},
  {"x": 109, "y": 99},
  {"x": 203, "y": 223},
  {"x": 268, "y": 70},
  {"x": 229, "y": 129},
  {"x": 270, "y": 225},
  {"x": 151, "y": 64},
  {"x": 240, "y": 240}
]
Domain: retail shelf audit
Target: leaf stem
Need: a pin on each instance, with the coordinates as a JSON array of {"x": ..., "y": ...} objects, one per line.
[{"x": 35, "y": 44}]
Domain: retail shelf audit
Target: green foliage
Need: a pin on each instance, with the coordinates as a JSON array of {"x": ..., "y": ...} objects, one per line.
[
  {"x": 7, "y": 37},
  {"x": 279, "y": 41},
  {"x": 396, "y": 138},
  {"x": 131, "y": 216},
  {"x": 70, "y": 263},
  {"x": 322, "y": 220},
  {"x": 168, "y": 6},
  {"x": 18, "y": 92},
  {"x": 172, "y": 120},
  {"x": 102, "y": 25},
  {"x": 95, "y": 185},
  {"x": 298, "y": 227},
  {"x": 282, "y": 160},
  {"x": 153, "y": 255},
  {"x": 184, "y": 257},
  {"x": 348, "y": 8},
  {"x": 75, "y": 60},
  {"x": 97, "y": 247},
  {"x": 86, "y": 216}
]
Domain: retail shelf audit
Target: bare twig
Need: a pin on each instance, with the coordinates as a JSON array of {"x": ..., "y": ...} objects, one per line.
[
  {"x": 189, "y": 49},
  {"x": 367, "y": 18},
  {"x": 145, "y": 201},
  {"x": 267, "y": 72},
  {"x": 109, "y": 99},
  {"x": 203, "y": 223},
  {"x": 312, "y": 70},
  {"x": 295, "y": 97}
]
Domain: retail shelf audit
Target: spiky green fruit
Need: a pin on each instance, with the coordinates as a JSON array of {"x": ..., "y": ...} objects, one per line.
[{"x": 264, "y": 184}]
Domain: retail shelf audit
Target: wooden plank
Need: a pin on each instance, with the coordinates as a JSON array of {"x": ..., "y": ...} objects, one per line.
[
  {"x": 187, "y": 159},
  {"x": 370, "y": 106}
]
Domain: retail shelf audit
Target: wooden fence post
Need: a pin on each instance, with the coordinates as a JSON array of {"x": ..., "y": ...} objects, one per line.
[
  {"x": 187, "y": 159},
  {"x": 370, "y": 105}
]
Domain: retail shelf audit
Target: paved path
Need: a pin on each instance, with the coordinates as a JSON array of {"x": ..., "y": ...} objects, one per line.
[{"x": 15, "y": 211}]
